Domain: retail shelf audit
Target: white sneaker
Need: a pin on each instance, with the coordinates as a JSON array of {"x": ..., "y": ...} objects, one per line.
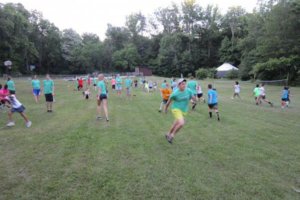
[
  {"x": 28, "y": 124},
  {"x": 10, "y": 124}
]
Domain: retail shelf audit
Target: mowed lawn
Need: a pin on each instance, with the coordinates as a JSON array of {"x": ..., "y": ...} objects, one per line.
[{"x": 252, "y": 153}]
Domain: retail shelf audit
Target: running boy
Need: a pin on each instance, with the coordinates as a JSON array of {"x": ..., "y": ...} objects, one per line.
[
  {"x": 237, "y": 90},
  {"x": 284, "y": 97},
  {"x": 165, "y": 94},
  {"x": 16, "y": 106},
  {"x": 180, "y": 106},
  {"x": 212, "y": 100}
]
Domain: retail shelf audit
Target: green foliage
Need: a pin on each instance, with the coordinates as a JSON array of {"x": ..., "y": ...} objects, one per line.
[
  {"x": 233, "y": 74},
  {"x": 202, "y": 73}
]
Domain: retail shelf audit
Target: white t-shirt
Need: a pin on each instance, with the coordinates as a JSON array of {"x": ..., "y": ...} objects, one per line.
[
  {"x": 199, "y": 89},
  {"x": 237, "y": 88},
  {"x": 262, "y": 91},
  {"x": 15, "y": 103}
]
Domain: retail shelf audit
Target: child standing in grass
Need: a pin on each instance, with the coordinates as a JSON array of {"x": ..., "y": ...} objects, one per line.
[
  {"x": 165, "y": 94},
  {"x": 212, "y": 100},
  {"x": 237, "y": 90},
  {"x": 49, "y": 92},
  {"x": 285, "y": 97},
  {"x": 180, "y": 98}
]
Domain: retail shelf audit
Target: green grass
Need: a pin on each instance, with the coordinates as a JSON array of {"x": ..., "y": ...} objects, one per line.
[{"x": 253, "y": 153}]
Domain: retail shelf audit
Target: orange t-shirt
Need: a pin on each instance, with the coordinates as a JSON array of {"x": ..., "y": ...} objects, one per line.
[{"x": 166, "y": 92}]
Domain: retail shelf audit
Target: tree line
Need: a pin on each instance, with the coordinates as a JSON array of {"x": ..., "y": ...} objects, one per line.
[{"x": 263, "y": 44}]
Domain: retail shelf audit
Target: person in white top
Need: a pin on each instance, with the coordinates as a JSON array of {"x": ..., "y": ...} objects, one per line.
[
  {"x": 16, "y": 106},
  {"x": 262, "y": 96},
  {"x": 200, "y": 94},
  {"x": 237, "y": 90}
]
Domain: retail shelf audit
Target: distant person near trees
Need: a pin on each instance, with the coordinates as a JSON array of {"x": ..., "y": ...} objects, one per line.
[
  {"x": 237, "y": 90},
  {"x": 262, "y": 96},
  {"x": 36, "y": 88},
  {"x": 212, "y": 101},
  {"x": 11, "y": 85},
  {"x": 48, "y": 88},
  {"x": 102, "y": 97}
]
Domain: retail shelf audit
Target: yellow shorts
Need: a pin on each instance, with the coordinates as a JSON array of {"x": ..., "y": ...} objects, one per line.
[{"x": 178, "y": 114}]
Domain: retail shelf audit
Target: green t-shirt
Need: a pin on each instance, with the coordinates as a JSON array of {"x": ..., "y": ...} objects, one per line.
[
  {"x": 128, "y": 83},
  {"x": 101, "y": 85},
  {"x": 95, "y": 80},
  {"x": 163, "y": 85},
  {"x": 48, "y": 86},
  {"x": 11, "y": 85},
  {"x": 192, "y": 85},
  {"x": 181, "y": 99},
  {"x": 256, "y": 92},
  {"x": 35, "y": 84}
]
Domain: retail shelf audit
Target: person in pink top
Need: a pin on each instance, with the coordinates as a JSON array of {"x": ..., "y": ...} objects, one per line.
[
  {"x": 3, "y": 93},
  {"x": 113, "y": 83}
]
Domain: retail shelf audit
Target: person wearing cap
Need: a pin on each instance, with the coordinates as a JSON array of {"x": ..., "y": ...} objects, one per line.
[
  {"x": 212, "y": 101},
  {"x": 180, "y": 104}
]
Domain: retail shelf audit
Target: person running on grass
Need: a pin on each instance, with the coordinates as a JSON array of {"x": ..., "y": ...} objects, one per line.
[
  {"x": 16, "y": 106},
  {"x": 237, "y": 90},
  {"x": 36, "y": 88},
  {"x": 95, "y": 80},
  {"x": 48, "y": 88},
  {"x": 285, "y": 97},
  {"x": 192, "y": 85},
  {"x": 212, "y": 101},
  {"x": 200, "y": 94},
  {"x": 128, "y": 85},
  {"x": 262, "y": 96},
  {"x": 256, "y": 93},
  {"x": 119, "y": 85},
  {"x": 180, "y": 99},
  {"x": 165, "y": 94},
  {"x": 102, "y": 97}
]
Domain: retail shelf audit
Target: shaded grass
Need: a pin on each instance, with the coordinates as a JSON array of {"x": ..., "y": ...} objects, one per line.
[{"x": 253, "y": 153}]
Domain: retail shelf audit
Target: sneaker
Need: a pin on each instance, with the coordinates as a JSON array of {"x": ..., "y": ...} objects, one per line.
[
  {"x": 194, "y": 105},
  {"x": 107, "y": 119},
  {"x": 28, "y": 124},
  {"x": 159, "y": 110},
  {"x": 98, "y": 117},
  {"x": 10, "y": 124},
  {"x": 169, "y": 139}
]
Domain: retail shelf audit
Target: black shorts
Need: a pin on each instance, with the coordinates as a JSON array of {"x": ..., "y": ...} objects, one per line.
[
  {"x": 263, "y": 96},
  {"x": 213, "y": 105},
  {"x": 49, "y": 97},
  {"x": 12, "y": 91},
  {"x": 94, "y": 85},
  {"x": 165, "y": 101},
  {"x": 86, "y": 96},
  {"x": 199, "y": 95},
  {"x": 284, "y": 99},
  {"x": 102, "y": 96},
  {"x": 113, "y": 87}
]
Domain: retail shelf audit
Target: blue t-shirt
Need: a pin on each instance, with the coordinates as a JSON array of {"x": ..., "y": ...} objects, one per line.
[
  {"x": 102, "y": 85},
  {"x": 128, "y": 83},
  {"x": 212, "y": 96},
  {"x": 284, "y": 94}
]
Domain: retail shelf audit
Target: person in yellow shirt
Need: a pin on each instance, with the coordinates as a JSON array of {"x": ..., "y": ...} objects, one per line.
[{"x": 165, "y": 94}]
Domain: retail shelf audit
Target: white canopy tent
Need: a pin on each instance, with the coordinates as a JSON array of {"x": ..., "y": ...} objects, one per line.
[{"x": 224, "y": 69}]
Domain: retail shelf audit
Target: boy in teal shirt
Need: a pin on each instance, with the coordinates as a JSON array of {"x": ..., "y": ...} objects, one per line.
[
  {"x": 180, "y": 98},
  {"x": 102, "y": 97},
  {"x": 11, "y": 86},
  {"x": 36, "y": 88},
  {"x": 128, "y": 84},
  {"x": 49, "y": 92}
]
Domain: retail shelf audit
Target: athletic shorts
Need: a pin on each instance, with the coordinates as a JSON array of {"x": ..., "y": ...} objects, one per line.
[
  {"x": 128, "y": 91},
  {"x": 49, "y": 97},
  {"x": 113, "y": 87},
  {"x": 94, "y": 85},
  {"x": 102, "y": 96},
  {"x": 118, "y": 87},
  {"x": 200, "y": 95},
  {"x": 213, "y": 105},
  {"x": 19, "y": 109},
  {"x": 164, "y": 101},
  {"x": 178, "y": 114},
  {"x": 86, "y": 96},
  {"x": 36, "y": 92},
  {"x": 284, "y": 99},
  {"x": 12, "y": 91},
  {"x": 263, "y": 96}
]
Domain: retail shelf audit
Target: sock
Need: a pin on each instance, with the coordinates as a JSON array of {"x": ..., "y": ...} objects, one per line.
[
  {"x": 218, "y": 116},
  {"x": 210, "y": 114}
]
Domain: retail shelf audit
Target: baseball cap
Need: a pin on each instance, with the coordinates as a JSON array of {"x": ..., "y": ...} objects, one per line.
[{"x": 180, "y": 81}]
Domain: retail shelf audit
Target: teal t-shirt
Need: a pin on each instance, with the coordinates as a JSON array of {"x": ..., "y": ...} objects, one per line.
[
  {"x": 95, "y": 80},
  {"x": 11, "y": 85},
  {"x": 192, "y": 85},
  {"x": 48, "y": 86},
  {"x": 181, "y": 99},
  {"x": 119, "y": 81},
  {"x": 163, "y": 85},
  {"x": 35, "y": 84},
  {"x": 101, "y": 85},
  {"x": 128, "y": 83}
]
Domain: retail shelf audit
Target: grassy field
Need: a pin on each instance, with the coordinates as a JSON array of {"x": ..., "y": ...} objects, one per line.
[{"x": 252, "y": 153}]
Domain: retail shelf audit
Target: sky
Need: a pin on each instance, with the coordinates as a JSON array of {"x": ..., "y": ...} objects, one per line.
[{"x": 92, "y": 16}]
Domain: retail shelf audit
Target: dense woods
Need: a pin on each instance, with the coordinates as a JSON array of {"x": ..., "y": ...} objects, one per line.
[{"x": 263, "y": 44}]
